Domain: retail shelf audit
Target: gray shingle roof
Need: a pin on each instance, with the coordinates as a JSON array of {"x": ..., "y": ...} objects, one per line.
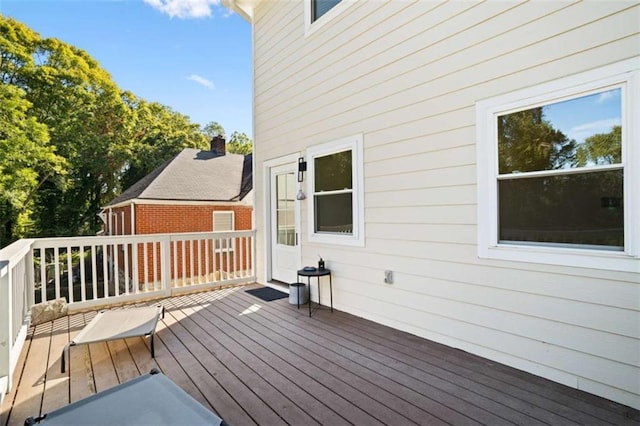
[{"x": 194, "y": 175}]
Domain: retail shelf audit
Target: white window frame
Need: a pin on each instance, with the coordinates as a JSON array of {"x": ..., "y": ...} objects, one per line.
[
  {"x": 625, "y": 75},
  {"x": 353, "y": 143},
  {"x": 219, "y": 248},
  {"x": 311, "y": 27}
]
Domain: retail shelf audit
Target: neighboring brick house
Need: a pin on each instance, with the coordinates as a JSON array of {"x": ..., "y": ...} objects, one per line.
[{"x": 195, "y": 191}]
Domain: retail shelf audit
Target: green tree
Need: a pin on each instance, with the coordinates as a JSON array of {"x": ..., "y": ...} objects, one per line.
[
  {"x": 158, "y": 134},
  {"x": 601, "y": 149},
  {"x": 239, "y": 143},
  {"x": 527, "y": 142},
  {"x": 87, "y": 123},
  {"x": 80, "y": 139},
  {"x": 27, "y": 160},
  {"x": 213, "y": 129}
]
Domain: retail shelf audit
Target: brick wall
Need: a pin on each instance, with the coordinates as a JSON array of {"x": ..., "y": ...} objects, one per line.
[{"x": 162, "y": 219}]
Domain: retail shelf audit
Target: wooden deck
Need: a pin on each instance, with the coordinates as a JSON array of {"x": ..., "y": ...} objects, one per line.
[{"x": 268, "y": 363}]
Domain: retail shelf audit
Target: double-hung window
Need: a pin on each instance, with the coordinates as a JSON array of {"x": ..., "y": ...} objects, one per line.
[
  {"x": 224, "y": 221},
  {"x": 336, "y": 212},
  {"x": 317, "y": 13},
  {"x": 559, "y": 172},
  {"x": 320, "y": 7}
]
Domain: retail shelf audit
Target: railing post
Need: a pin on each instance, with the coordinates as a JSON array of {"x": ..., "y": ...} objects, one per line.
[
  {"x": 30, "y": 287},
  {"x": 165, "y": 265}
]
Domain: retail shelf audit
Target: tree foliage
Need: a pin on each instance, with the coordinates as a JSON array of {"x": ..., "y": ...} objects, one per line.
[
  {"x": 213, "y": 129},
  {"x": 27, "y": 160},
  {"x": 527, "y": 142},
  {"x": 239, "y": 143},
  {"x": 70, "y": 139},
  {"x": 601, "y": 149}
]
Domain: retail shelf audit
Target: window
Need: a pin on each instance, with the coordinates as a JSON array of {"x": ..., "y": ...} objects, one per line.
[
  {"x": 336, "y": 212},
  {"x": 223, "y": 221},
  {"x": 318, "y": 13},
  {"x": 557, "y": 168},
  {"x": 320, "y": 7}
]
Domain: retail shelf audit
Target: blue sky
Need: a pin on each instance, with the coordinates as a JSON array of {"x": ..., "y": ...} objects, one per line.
[
  {"x": 585, "y": 116},
  {"x": 191, "y": 55}
]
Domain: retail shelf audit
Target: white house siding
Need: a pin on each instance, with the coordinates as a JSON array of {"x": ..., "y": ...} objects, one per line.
[{"x": 407, "y": 75}]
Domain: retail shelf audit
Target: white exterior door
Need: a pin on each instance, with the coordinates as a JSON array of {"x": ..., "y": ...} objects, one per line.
[{"x": 284, "y": 223}]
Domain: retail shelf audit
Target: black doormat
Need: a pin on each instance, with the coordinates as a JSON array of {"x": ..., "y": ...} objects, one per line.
[{"x": 267, "y": 293}]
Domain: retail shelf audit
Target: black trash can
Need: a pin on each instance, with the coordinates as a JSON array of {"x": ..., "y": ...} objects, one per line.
[{"x": 298, "y": 289}]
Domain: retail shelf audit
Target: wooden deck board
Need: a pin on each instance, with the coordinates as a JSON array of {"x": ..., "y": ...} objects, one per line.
[
  {"x": 32, "y": 382},
  {"x": 8, "y": 401},
  {"x": 256, "y": 362},
  {"x": 56, "y": 392},
  {"x": 543, "y": 399},
  {"x": 450, "y": 383}
]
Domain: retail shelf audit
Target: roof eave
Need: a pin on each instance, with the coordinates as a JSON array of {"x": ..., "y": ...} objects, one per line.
[{"x": 244, "y": 8}]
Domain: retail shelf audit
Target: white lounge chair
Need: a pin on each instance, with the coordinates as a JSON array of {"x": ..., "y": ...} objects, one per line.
[{"x": 118, "y": 324}]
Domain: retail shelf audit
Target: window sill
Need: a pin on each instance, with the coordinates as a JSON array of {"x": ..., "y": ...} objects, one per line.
[
  {"x": 336, "y": 239},
  {"x": 578, "y": 258}
]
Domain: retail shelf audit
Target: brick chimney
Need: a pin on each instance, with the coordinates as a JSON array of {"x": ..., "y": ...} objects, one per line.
[{"x": 218, "y": 145}]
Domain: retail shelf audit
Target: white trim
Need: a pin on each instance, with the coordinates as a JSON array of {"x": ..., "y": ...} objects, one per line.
[
  {"x": 355, "y": 144},
  {"x": 311, "y": 27},
  {"x": 178, "y": 203},
  {"x": 623, "y": 74}
]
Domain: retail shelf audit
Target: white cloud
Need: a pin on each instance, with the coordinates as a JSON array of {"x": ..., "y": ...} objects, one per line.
[
  {"x": 202, "y": 81},
  {"x": 583, "y": 131},
  {"x": 605, "y": 96},
  {"x": 184, "y": 9}
]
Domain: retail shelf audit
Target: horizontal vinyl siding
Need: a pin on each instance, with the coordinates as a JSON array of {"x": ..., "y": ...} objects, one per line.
[{"x": 407, "y": 75}]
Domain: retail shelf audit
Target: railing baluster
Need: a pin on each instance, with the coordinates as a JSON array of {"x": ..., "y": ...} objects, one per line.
[
  {"x": 206, "y": 260},
  {"x": 174, "y": 275},
  {"x": 214, "y": 253},
  {"x": 83, "y": 290},
  {"x": 116, "y": 271},
  {"x": 125, "y": 254},
  {"x": 56, "y": 260},
  {"x": 184, "y": 262},
  {"x": 191, "y": 261},
  {"x": 228, "y": 251},
  {"x": 69, "y": 275},
  {"x": 43, "y": 274},
  {"x": 199, "y": 244},
  {"x": 94, "y": 272},
  {"x": 155, "y": 265},
  {"x": 105, "y": 272},
  {"x": 145, "y": 253}
]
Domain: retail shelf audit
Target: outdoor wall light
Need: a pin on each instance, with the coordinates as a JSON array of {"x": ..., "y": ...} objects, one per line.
[{"x": 302, "y": 167}]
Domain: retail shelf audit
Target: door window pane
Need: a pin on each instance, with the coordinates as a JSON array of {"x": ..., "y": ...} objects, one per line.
[{"x": 285, "y": 198}]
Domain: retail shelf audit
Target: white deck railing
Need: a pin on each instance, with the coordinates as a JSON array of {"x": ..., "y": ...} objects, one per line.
[
  {"x": 15, "y": 303},
  {"x": 106, "y": 270}
]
